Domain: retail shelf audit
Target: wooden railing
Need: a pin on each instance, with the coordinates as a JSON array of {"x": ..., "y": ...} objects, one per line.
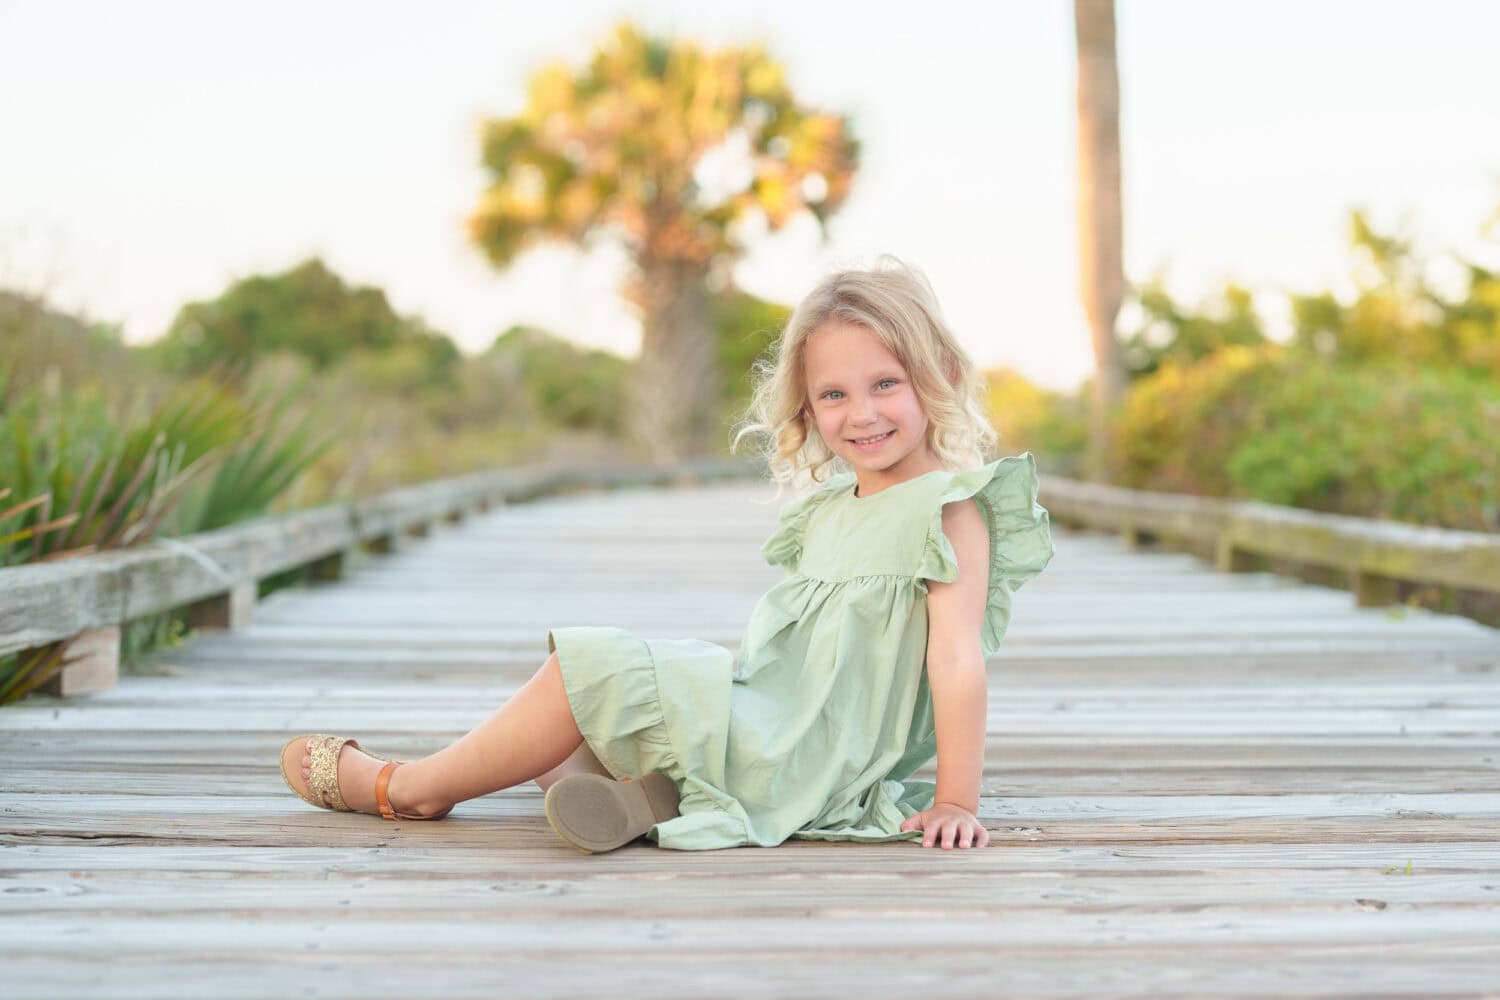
[
  {"x": 215, "y": 575},
  {"x": 1377, "y": 556}
]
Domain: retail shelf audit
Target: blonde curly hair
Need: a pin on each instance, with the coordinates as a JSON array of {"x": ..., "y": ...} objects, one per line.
[{"x": 896, "y": 303}]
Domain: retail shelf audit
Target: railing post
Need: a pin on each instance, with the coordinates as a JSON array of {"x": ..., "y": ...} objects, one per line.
[
  {"x": 227, "y": 611},
  {"x": 381, "y": 545},
  {"x": 95, "y": 666},
  {"x": 1228, "y": 559},
  {"x": 330, "y": 567},
  {"x": 1372, "y": 590}
]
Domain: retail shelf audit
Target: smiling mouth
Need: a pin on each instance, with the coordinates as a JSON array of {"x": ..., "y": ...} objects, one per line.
[{"x": 872, "y": 440}]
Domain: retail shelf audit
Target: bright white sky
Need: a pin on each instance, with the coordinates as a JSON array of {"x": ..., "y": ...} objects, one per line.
[{"x": 156, "y": 151}]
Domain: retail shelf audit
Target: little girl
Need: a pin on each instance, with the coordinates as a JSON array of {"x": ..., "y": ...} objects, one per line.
[{"x": 863, "y": 663}]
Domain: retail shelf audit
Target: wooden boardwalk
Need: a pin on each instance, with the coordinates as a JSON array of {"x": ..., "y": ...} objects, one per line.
[{"x": 1195, "y": 784}]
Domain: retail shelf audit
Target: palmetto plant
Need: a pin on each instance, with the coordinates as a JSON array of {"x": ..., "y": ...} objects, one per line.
[
  {"x": 112, "y": 481},
  {"x": 93, "y": 479}
]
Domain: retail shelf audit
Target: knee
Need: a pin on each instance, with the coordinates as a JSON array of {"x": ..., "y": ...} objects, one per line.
[{"x": 550, "y": 673}]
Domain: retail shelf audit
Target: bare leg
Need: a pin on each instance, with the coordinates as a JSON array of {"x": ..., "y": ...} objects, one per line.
[
  {"x": 529, "y": 736},
  {"x": 583, "y": 761}
]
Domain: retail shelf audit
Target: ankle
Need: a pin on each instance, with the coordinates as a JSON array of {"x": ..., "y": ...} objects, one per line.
[{"x": 407, "y": 796}]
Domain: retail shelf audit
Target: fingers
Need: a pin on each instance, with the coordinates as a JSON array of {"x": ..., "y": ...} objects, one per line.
[
  {"x": 952, "y": 833},
  {"x": 947, "y": 832}
]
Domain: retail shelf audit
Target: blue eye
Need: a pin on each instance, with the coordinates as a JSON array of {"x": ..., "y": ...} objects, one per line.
[
  {"x": 832, "y": 392},
  {"x": 886, "y": 381}
]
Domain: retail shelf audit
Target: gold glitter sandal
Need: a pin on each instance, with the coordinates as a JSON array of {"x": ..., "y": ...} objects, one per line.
[{"x": 322, "y": 788}]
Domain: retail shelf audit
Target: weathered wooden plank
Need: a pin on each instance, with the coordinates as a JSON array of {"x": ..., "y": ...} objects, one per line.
[
  {"x": 795, "y": 861},
  {"x": 90, "y": 748},
  {"x": 1280, "y": 969},
  {"x": 316, "y": 714},
  {"x": 1044, "y": 693},
  {"x": 1105, "y": 808},
  {"x": 501, "y": 894},
  {"x": 252, "y": 821},
  {"x": 912, "y": 923},
  {"x": 1002, "y": 777}
]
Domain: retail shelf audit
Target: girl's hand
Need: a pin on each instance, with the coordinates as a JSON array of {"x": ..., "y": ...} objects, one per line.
[{"x": 950, "y": 823}]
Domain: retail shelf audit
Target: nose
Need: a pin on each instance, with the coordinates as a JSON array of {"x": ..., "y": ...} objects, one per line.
[{"x": 862, "y": 411}]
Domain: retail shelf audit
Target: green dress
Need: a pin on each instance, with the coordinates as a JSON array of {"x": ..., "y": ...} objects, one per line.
[{"x": 814, "y": 731}]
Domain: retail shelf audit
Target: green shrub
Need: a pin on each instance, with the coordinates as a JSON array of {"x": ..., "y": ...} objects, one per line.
[
  {"x": 1280, "y": 426},
  {"x": 309, "y": 310},
  {"x": 745, "y": 327},
  {"x": 1030, "y": 418},
  {"x": 40, "y": 344},
  {"x": 1169, "y": 332},
  {"x": 568, "y": 386},
  {"x": 1378, "y": 441},
  {"x": 1178, "y": 425}
]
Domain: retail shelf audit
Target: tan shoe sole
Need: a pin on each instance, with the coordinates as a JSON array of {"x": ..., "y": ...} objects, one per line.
[{"x": 597, "y": 814}]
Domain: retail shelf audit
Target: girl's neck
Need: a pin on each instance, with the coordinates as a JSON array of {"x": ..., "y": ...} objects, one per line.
[{"x": 872, "y": 481}]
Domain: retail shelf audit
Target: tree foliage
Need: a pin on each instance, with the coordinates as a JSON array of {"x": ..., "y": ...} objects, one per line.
[
  {"x": 1397, "y": 315},
  {"x": 745, "y": 328},
  {"x": 1170, "y": 332},
  {"x": 661, "y": 144},
  {"x": 40, "y": 343},
  {"x": 676, "y": 153},
  {"x": 567, "y": 386},
  {"x": 308, "y": 310}
]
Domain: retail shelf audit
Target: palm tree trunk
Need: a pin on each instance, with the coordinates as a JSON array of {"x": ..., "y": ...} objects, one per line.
[
  {"x": 674, "y": 397},
  {"x": 1100, "y": 236}
]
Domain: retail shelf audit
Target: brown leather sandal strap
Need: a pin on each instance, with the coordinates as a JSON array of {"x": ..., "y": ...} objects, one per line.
[{"x": 382, "y": 785}]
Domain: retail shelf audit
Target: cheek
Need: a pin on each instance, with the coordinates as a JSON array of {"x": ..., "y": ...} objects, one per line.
[
  {"x": 825, "y": 424},
  {"x": 829, "y": 425},
  {"x": 911, "y": 412}
]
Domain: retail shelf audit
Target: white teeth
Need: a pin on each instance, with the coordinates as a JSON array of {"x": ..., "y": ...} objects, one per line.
[{"x": 877, "y": 437}]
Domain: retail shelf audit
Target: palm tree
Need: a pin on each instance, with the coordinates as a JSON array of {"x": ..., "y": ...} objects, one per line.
[
  {"x": 670, "y": 150},
  {"x": 1101, "y": 270}
]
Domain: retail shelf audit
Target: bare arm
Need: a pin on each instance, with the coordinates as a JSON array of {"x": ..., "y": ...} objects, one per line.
[{"x": 955, "y": 658}]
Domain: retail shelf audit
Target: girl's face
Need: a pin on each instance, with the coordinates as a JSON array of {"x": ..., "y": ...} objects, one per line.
[{"x": 863, "y": 403}]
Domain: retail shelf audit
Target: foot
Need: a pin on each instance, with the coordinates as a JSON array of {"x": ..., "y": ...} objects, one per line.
[{"x": 357, "y": 774}]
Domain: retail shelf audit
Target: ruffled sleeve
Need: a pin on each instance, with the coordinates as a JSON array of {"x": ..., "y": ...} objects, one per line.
[
  {"x": 784, "y": 547},
  {"x": 1020, "y": 537}
]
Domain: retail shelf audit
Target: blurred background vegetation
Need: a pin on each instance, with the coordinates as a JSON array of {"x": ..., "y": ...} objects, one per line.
[
  {"x": 299, "y": 388},
  {"x": 1384, "y": 401}
]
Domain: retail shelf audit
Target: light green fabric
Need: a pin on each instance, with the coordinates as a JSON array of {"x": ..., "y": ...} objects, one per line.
[{"x": 814, "y": 731}]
